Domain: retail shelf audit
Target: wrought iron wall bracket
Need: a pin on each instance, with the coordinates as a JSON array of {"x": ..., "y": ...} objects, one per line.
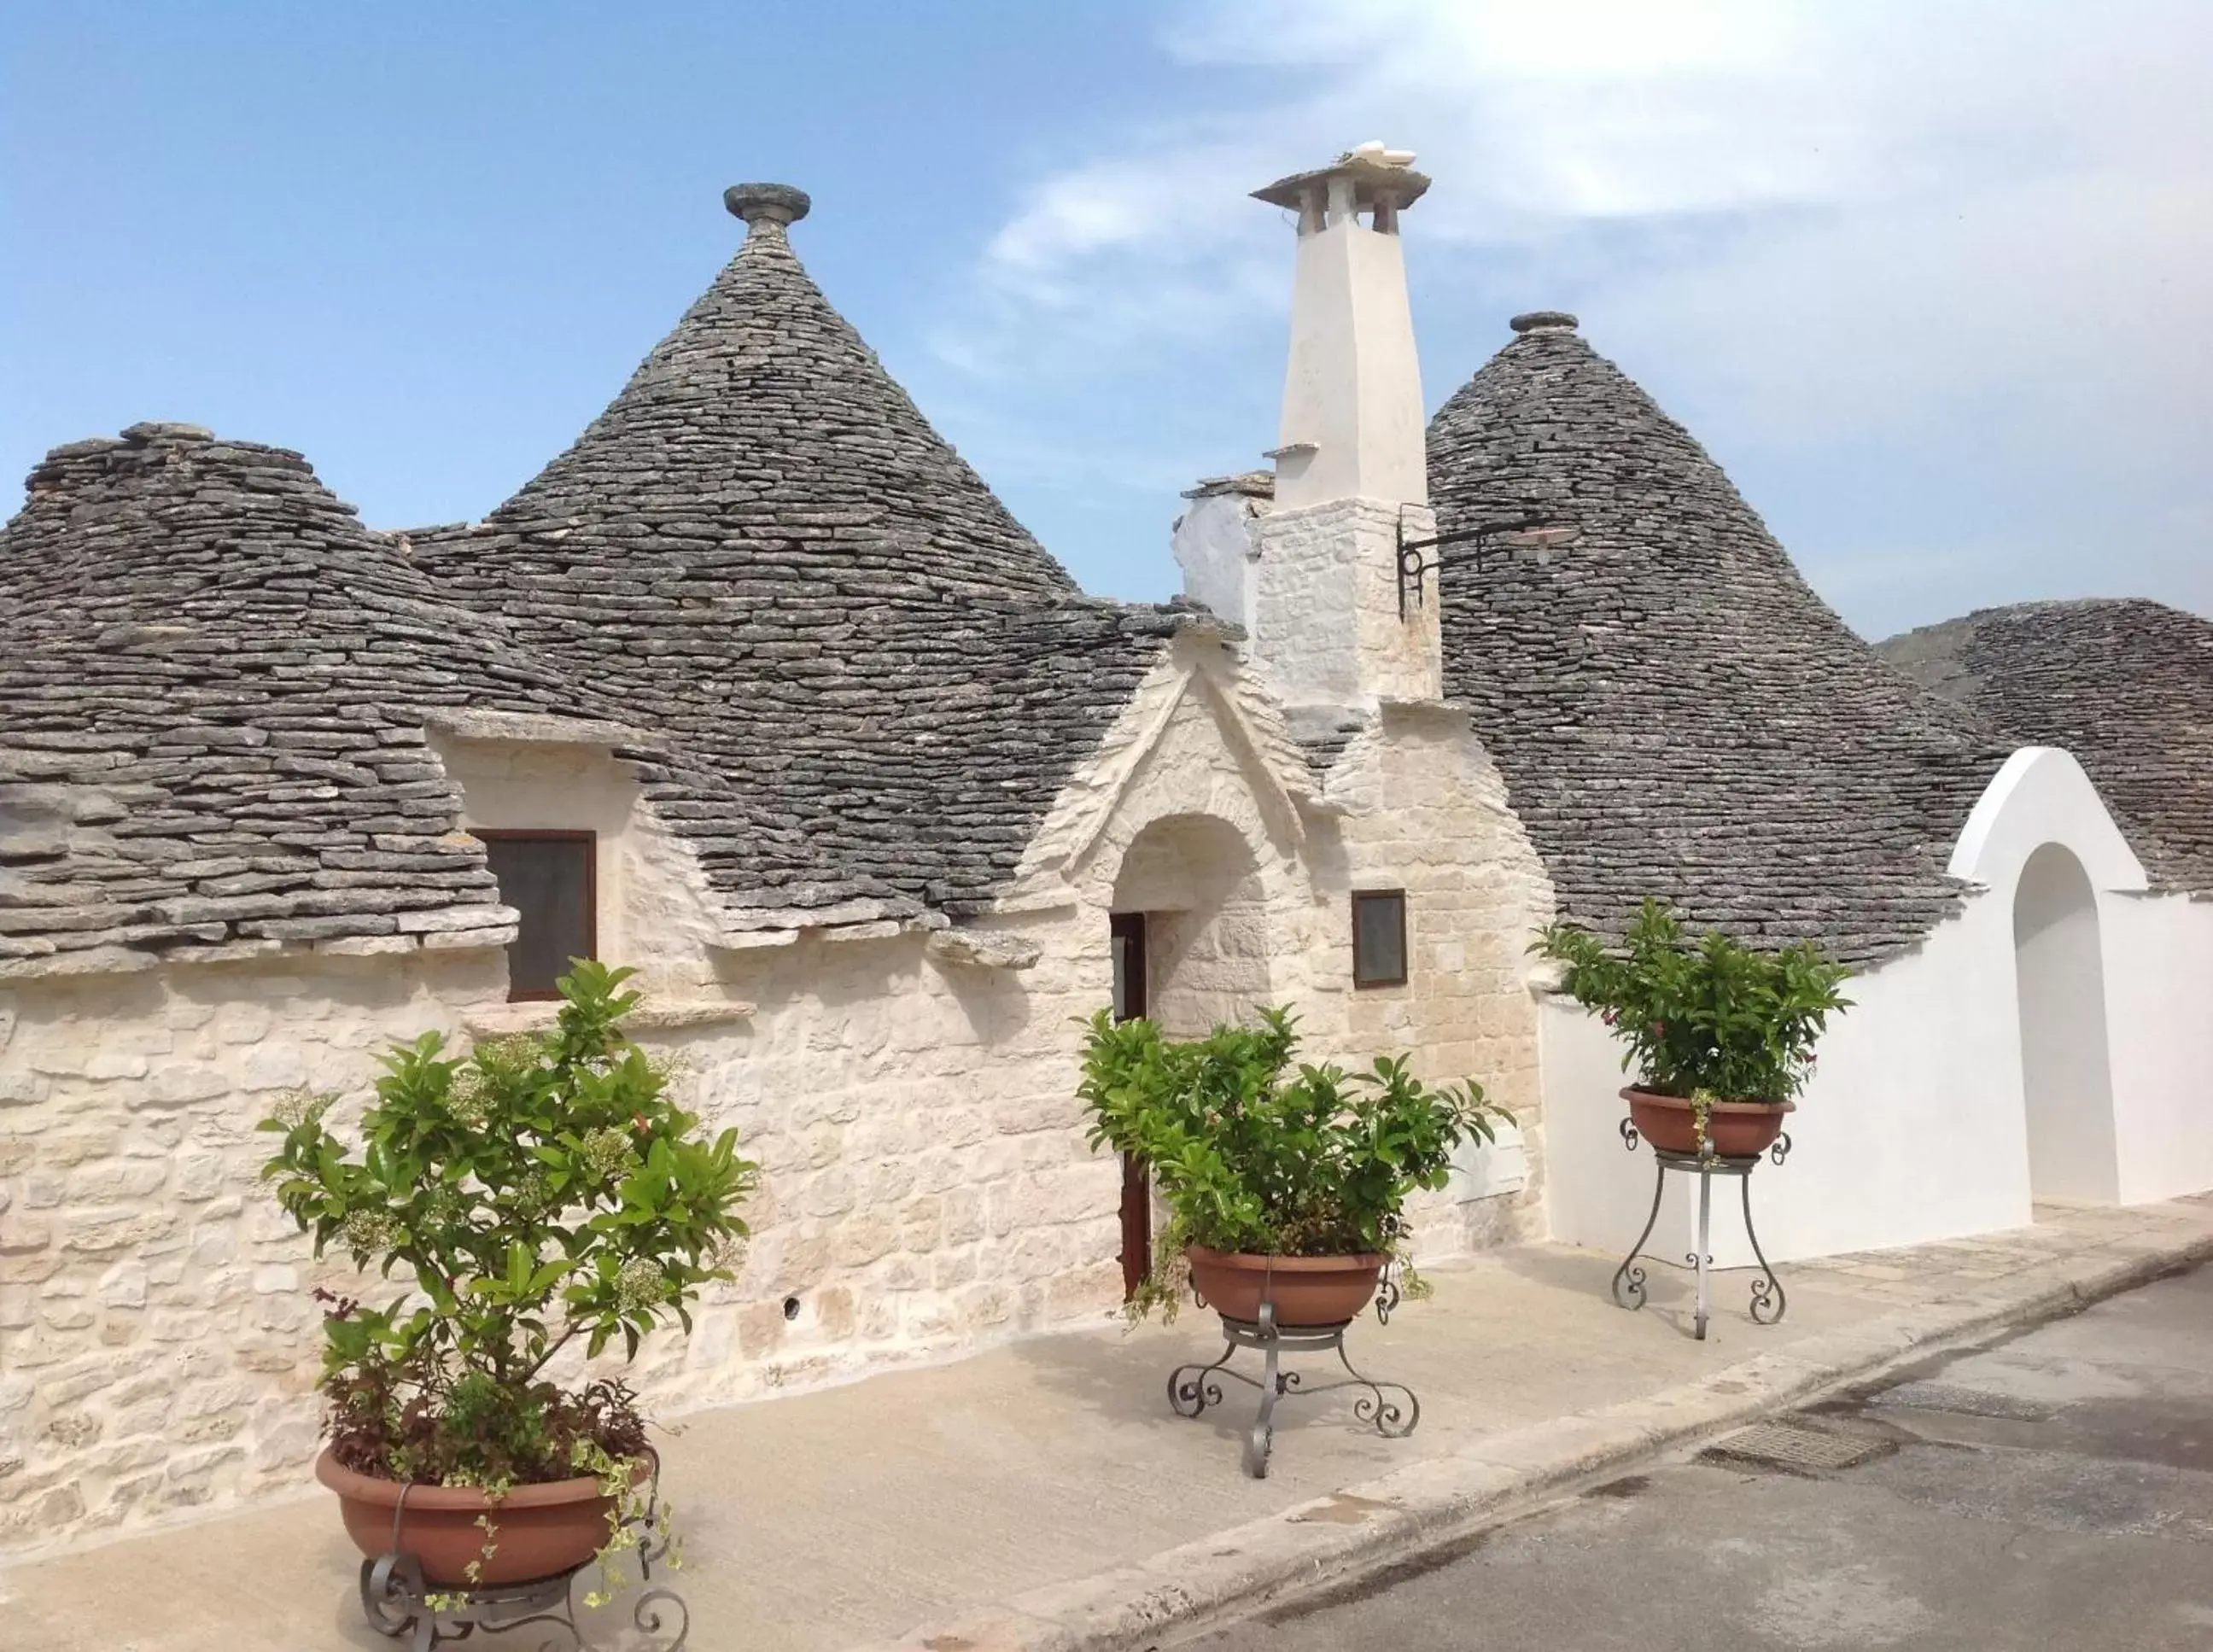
[{"x": 1416, "y": 563}]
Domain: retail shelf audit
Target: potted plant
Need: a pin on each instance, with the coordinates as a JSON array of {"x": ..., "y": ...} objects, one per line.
[
  {"x": 1722, "y": 1036},
  {"x": 543, "y": 1193},
  {"x": 1281, "y": 1187}
]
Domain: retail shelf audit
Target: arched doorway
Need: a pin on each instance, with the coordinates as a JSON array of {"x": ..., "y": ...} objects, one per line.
[
  {"x": 2065, "y": 1075},
  {"x": 1190, "y": 937},
  {"x": 1196, "y": 881}
]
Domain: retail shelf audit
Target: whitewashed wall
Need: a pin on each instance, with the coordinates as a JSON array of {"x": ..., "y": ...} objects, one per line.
[
  {"x": 2158, "y": 997},
  {"x": 1916, "y": 1127},
  {"x": 1910, "y": 1132},
  {"x": 2158, "y": 968}
]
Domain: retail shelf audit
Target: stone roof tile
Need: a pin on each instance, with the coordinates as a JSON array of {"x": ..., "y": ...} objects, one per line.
[
  {"x": 763, "y": 549},
  {"x": 2125, "y": 684},
  {"x": 211, "y": 701},
  {"x": 1675, "y": 712},
  {"x": 764, "y": 417}
]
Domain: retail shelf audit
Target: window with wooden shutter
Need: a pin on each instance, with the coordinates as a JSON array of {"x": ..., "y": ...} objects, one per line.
[
  {"x": 1379, "y": 938},
  {"x": 548, "y": 877}
]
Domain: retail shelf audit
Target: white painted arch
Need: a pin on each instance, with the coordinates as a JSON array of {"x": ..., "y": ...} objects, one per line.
[
  {"x": 1916, "y": 1127},
  {"x": 2153, "y": 979},
  {"x": 2042, "y": 796}
]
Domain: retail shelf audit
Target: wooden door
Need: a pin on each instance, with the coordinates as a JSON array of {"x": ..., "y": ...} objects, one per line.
[{"x": 1127, "y": 931}]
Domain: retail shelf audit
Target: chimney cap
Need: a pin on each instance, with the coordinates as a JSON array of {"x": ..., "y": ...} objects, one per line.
[
  {"x": 1544, "y": 321},
  {"x": 777, "y": 204},
  {"x": 1373, "y": 169}
]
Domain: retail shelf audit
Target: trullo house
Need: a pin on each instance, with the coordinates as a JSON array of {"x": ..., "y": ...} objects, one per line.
[{"x": 758, "y": 688}]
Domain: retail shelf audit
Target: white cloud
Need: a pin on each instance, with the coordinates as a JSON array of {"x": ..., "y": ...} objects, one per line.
[{"x": 1811, "y": 227}]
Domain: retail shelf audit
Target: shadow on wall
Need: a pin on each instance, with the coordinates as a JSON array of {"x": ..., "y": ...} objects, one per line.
[
  {"x": 2066, "y": 1068},
  {"x": 853, "y": 979},
  {"x": 1197, "y": 882}
]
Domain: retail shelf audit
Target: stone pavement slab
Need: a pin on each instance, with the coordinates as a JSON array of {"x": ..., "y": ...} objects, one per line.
[{"x": 1041, "y": 1494}]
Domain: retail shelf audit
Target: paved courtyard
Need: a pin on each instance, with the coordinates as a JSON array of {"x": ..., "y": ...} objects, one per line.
[{"x": 819, "y": 1520}]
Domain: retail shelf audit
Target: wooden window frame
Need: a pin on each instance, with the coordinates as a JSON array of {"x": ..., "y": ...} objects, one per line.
[
  {"x": 555, "y": 834},
  {"x": 1136, "y": 1206},
  {"x": 1361, "y": 979}
]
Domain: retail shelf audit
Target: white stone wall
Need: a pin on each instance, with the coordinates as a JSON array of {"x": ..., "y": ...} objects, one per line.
[
  {"x": 1414, "y": 803},
  {"x": 157, "y": 1342},
  {"x": 1427, "y": 812},
  {"x": 2159, "y": 980},
  {"x": 927, "y": 1187},
  {"x": 1910, "y": 1131},
  {"x": 1916, "y": 1125},
  {"x": 1352, "y": 420},
  {"x": 1325, "y": 625},
  {"x": 1214, "y": 546}
]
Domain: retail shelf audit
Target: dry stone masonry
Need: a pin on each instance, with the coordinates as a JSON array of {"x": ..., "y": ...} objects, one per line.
[
  {"x": 867, "y": 775},
  {"x": 764, "y": 551},
  {"x": 212, "y": 717},
  {"x": 2125, "y": 685},
  {"x": 1675, "y": 712}
]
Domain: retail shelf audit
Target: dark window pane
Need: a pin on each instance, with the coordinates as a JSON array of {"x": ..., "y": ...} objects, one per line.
[
  {"x": 1379, "y": 939},
  {"x": 1128, "y": 942},
  {"x": 549, "y": 881}
]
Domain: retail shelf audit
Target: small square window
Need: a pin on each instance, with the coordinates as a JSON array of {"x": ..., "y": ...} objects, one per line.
[
  {"x": 547, "y": 876},
  {"x": 1379, "y": 938}
]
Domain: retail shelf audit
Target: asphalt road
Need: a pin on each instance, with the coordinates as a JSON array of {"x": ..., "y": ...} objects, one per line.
[{"x": 2054, "y": 1491}]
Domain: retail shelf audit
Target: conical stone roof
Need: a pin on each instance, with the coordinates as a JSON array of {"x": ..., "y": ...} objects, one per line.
[
  {"x": 212, "y": 704},
  {"x": 1675, "y": 712},
  {"x": 2125, "y": 684},
  {"x": 764, "y": 550},
  {"x": 763, "y": 437}
]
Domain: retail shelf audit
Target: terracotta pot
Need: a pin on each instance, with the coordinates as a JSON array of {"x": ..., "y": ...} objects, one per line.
[
  {"x": 541, "y": 1530},
  {"x": 1307, "y": 1290},
  {"x": 1738, "y": 1130}
]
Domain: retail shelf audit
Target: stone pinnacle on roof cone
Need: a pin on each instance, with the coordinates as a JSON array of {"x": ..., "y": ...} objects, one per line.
[{"x": 758, "y": 204}]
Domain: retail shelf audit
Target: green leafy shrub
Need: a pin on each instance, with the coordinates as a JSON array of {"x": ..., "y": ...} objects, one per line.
[
  {"x": 1712, "y": 1017},
  {"x": 542, "y": 1190},
  {"x": 1319, "y": 1164}
]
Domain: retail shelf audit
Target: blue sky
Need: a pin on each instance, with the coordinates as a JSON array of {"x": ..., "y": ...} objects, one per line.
[{"x": 1929, "y": 281}]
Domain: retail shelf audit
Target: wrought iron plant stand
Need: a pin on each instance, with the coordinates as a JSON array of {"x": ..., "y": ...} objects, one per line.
[
  {"x": 397, "y": 1600},
  {"x": 1193, "y": 1389},
  {"x": 1769, "y": 1302}
]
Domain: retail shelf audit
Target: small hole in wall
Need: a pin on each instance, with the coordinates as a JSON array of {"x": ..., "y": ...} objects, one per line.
[{"x": 791, "y": 1308}]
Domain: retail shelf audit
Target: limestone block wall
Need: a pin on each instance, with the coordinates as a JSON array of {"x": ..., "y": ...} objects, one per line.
[
  {"x": 1413, "y": 803},
  {"x": 1426, "y": 812},
  {"x": 1326, "y": 624},
  {"x": 927, "y": 1186},
  {"x": 158, "y": 1338}
]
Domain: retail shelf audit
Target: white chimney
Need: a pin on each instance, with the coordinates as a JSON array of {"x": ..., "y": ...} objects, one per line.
[
  {"x": 1320, "y": 591},
  {"x": 1352, "y": 398}
]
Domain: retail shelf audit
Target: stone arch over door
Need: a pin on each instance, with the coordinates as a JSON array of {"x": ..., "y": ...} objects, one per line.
[
  {"x": 2066, "y": 1068},
  {"x": 1197, "y": 882}
]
